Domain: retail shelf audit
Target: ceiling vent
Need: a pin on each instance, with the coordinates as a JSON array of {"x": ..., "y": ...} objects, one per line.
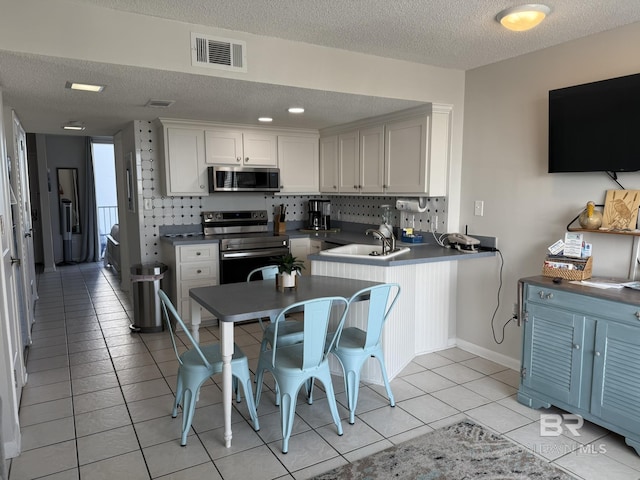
[
  {"x": 159, "y": 103},
  {"x": 217, "y": 52}
]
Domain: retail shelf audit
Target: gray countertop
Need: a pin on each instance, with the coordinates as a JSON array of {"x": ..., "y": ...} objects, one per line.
[
  {"x": 422, "y": 253},
  {"x": 624, "y": 295},
  {"x": 418, "y": 253}
]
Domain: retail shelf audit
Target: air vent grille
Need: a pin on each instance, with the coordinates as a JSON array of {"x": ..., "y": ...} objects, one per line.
[{"x": 216, "y": 52}]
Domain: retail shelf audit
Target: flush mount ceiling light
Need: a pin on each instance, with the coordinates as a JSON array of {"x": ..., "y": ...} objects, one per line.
[
  {"x": 296, "y": 110},
  {"x": 523, "y": 17},
  {"x": 85, "y": 87},
  {"x": 265, "y": 119},
  {"x": 77, "y": 126}
]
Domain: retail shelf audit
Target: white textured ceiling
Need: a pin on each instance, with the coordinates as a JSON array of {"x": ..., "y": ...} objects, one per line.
[{"x": 458, "y": 34}]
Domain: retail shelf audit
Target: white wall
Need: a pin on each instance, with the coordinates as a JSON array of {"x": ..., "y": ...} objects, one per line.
[{"x": 505, "y": 165}]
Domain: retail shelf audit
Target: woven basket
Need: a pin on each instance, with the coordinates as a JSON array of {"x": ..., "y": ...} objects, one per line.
[{"x": 570, "y": 274}]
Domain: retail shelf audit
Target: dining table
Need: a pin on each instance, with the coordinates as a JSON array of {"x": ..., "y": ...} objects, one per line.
[{"x": 238, "y": 302}]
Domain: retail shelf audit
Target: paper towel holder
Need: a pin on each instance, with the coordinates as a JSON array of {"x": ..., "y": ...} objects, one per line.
[{"x": 415, "y": 205}]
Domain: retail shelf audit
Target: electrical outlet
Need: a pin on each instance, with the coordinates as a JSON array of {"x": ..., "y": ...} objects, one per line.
[
  {"x": 434, "y": 223},
  {"x": 478, "y": 208},
  {"x": 515, "y": 310},
  {"x": 148, "y": 204}
]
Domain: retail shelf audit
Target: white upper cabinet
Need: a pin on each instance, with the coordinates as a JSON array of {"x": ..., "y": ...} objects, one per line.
[
  {"x": 349, "y": 162},
  {"x": 185, "y": 172},
  {"x": 241, "y": 148},
  {"x": 438, "y": 176},
  {"x": 191, "y": 147},
  {"x": 224, "y": 147},
  {"x": 299, "y": 163},
  {"x": 329, "y": 164},
  {"x": 404, "y": 152},
  {"x": 371, "y": 162},
  {"x": 260, "y": 149},
  {"x": 406, "y": 155}
]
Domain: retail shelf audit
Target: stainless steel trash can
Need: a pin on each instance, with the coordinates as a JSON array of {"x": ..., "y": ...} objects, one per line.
[{"x": 146, "y": 279}]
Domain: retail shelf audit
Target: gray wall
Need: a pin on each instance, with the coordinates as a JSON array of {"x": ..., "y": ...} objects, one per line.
[
  {"x": 505, "y": 164},
  {"x": 63, "y": 151}
]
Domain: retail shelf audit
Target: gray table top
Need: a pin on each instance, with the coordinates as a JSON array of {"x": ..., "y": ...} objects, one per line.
[{"x": 236, "y": 302}]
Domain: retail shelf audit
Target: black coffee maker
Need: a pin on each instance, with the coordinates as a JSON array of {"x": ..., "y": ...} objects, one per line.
[{"x": 319, "y": 214}]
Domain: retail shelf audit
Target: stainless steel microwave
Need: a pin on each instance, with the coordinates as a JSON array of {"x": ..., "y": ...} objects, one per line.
[{"x": 242, "y": 179}]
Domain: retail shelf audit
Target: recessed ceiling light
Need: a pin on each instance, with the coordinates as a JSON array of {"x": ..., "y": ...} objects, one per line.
[
  {"x": 265, "y": 119},
  {"x": 296, "y": 110},
  {"x": 77, "y": 126},
  {"x": 523, "y": 17},
  {"x": 85, "y": 87}
]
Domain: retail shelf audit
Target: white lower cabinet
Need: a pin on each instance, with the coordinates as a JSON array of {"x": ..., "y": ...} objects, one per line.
[
  {"x": 301, "y": 248},
  {"x": 190, "y": 266}
]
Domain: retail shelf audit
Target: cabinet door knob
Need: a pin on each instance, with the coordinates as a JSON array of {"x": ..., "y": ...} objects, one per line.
[
  {"x": 576, "y": 346},
  {"x": 201, "y": 187},
  {"x": 549, "y": 295},
  {"x": 541, "y": 294},
  {"x": 246, "y": 159},
  {"x": 637, "y": 314},
  {"x": 238, "y": 159},
  {"x": 198, "y": 271},
  {"x": 597, "y": 354},
  {"x": 335, "y": 187},
  {"x": 198, "y": 253}
]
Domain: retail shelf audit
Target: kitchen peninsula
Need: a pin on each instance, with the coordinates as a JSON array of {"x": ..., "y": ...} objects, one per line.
[{"x": 421, "y": 321}]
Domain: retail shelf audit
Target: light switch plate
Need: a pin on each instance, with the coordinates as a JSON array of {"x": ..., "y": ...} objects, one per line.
[{"x": 478, "y": 208}]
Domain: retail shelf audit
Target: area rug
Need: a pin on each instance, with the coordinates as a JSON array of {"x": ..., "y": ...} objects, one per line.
[{"x": 461, "y": 451}]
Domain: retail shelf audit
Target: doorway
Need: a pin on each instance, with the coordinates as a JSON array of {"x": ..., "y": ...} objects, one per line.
[{"x": 104, "y": 168}]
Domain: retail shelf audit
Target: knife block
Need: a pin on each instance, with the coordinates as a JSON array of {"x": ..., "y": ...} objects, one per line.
[{"x": 279, "y": 227}]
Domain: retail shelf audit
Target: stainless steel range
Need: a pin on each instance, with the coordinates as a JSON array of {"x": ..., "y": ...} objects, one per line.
[{"x": 245, "y": 242}]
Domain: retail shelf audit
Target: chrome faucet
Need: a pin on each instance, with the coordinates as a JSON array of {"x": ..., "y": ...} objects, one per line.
[{"x": 388, "y": 243}]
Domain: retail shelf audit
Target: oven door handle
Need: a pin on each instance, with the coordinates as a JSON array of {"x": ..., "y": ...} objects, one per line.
[{"x": 276, "y": 252}]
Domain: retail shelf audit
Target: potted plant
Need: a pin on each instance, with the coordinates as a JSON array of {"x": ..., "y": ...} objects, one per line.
[{"x": 288, "y": 268}]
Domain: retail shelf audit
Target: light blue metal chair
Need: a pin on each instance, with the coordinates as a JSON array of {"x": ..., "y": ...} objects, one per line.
[
  {"x": 197, "y": 365},
  {"x": 290, "y": 331},
  {"x": 298, "y": 364},
  {"x": 354, "y": 346}
]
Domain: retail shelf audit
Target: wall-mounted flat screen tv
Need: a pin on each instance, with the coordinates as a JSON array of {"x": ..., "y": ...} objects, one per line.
[{"x": 595, "y": 127}]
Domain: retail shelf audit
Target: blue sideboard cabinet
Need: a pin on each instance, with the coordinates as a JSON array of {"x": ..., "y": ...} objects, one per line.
[{"x": 581, "y": 352}]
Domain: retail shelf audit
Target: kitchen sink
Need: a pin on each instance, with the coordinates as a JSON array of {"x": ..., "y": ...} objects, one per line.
[{"x": 359, "y": 250}]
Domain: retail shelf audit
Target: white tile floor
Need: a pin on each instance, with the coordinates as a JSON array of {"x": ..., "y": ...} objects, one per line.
[{"x": 98, "y": 404}]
